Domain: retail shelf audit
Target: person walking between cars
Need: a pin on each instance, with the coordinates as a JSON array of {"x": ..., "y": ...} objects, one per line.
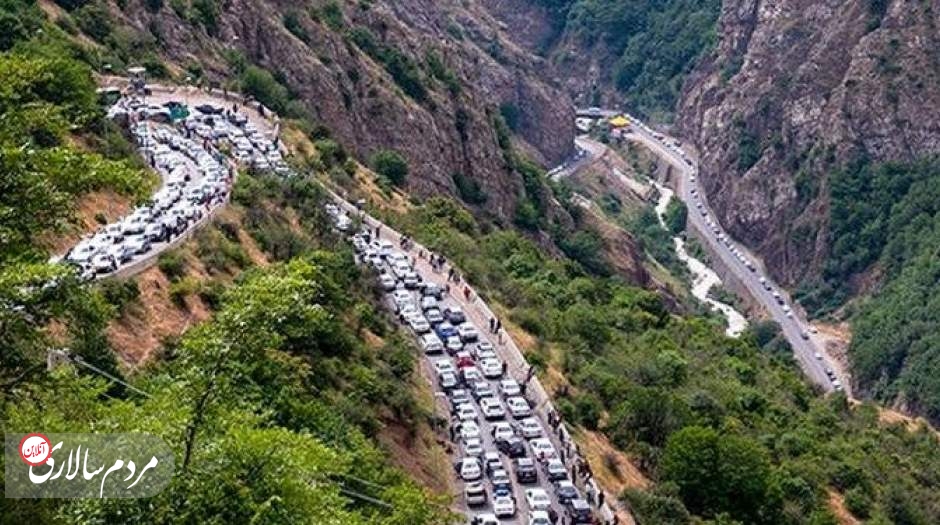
[{"x": 600, "y": 499}]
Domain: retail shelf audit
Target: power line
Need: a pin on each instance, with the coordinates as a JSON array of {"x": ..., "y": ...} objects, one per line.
[{"x": 64, "y": 354}]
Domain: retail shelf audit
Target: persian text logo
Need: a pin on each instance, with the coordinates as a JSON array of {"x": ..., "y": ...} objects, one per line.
[{"x": 111, "y": 465}]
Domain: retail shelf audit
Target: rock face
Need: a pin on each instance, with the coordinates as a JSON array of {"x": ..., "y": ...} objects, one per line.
[
  {"x": 796, "y": 89},
  {"x": 351, "y": 91}
]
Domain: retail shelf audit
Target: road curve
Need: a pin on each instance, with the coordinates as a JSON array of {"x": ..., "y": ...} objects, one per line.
[{"x": 794, "y": 328}]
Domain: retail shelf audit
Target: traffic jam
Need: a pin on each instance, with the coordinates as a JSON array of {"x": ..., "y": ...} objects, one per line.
[
  {"x": 195, "y": 178},
  {"x": 511, "y": 468},
  {"x": 724, "y": 240}
]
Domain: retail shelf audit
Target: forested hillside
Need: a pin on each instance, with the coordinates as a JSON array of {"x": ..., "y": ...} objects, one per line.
[
  {"x": 886, "y": 221},
  {"x": 726, "y": 428},
  {"x": 295, "y": 354},
  {"x": 632, "y": 53}
]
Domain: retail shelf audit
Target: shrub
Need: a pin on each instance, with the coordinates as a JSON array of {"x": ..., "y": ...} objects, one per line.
[
  {"x": 858, "y": 503},
  {"x": 120, "y": 292},
  {"x": 172, "y": 264},
  {"x": 391, "y": 165},
  {"x": 331, "y": 152},
  {"x": 180, "y": 290},
  {"x": 206, "y": 13},
  {"x": 468, "y": 189},
  {"x": 511, "y": 115},
  {"x": 95, "y": 21},
  {"x": 293, "y": 24}
]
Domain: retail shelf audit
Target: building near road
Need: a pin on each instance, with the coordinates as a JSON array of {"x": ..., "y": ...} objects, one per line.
[{"x": 619, "y": 121}]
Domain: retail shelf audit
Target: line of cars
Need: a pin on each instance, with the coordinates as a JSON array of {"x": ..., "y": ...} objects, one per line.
[
  {"x": 509, "y": 467},
  {"x": 195, "y": 178},
  {"x": 739, "y": 254}
]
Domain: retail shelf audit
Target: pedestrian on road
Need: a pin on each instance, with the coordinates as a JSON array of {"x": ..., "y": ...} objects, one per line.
[
  {"x": 505, "y": 367},
  {"x": 378, "y": 231},
  {"x": 466, "y": 293},
  {"x": 450, "y": 274},
  {"x": 590, "y": 494},
  {"x": 499, "y": 325},
  {"x": 600, "y": 499},
  {"x": 492, "y": 325},
  {"x": 561, "y": 454}
]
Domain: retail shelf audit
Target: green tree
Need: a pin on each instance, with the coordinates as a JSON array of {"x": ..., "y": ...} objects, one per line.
[
  {"x": 391, "y": 165},
  {"x": 717, "y": 472}
]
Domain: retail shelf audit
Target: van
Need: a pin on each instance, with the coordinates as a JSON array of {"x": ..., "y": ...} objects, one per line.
[{"x": 475, "y": 494}]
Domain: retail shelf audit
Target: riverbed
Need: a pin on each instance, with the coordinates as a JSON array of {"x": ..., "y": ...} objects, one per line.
[{"x": 703, "y": 277}]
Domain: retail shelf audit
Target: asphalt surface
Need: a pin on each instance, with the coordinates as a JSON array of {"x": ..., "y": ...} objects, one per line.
[
  {"x": 809, "y": 355},
  {"x": 501, "y": 347}
]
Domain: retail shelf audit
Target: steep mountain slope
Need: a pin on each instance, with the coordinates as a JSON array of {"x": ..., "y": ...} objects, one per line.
[
  {"x": 796, "y": 90},
  {"x": 615, "y": 52},
  {"x": 424, "y": 78},
  {"x": 815, "y": 122}
]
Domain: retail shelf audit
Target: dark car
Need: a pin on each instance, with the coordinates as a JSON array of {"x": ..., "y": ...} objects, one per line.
[
  {"x": 513, "y": 447},
  {"x": 566, "y": 491},
  {"x": 455, "y": 316},
  {"x": 433, "y": 290},
  {"x": 526, "y": 471},
  {"x": 578, "y": 511},
  {"x": 445, "y": 330}
]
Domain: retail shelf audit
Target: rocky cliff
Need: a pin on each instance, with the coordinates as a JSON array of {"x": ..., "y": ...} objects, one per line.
[
  {"x": 423, "y": 77},
  {"x": 797, "y": 89}
]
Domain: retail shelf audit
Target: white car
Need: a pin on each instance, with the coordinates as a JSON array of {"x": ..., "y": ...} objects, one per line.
[
  {"x": 407, "y": 311},
  {"x": 473, "y": 447},
  {"x": 411, "y": 280},
  {"x": 471, "y": 374},
  {"x": 537, "y": 499},
  {"x": 530, "y": 428},
  {"x": 469, "y": 429},
  {"x": 428, "y": 302},
  {"x": 83, "y": 252},
  {"x": 509, "y": 388},
  {"x": 502, "y": 430},
  {"x": 431, "y": 344},
  {"x": 468, "y": 333},
  {"x": 504, "y": 507},
  {"x": 491, "y": 368},
  {"x": 454, "y": 344},
  {"x": 469, "y": 469},
  {"x": 486, "y": 519},
  {"x": 492, "y": 408},
  {"x": 518, "y": 407},
  {"x": 387, "y": 282},
  {"x": 466, "y": 412},
  {"x": 419, "y": 324},
  {"x": 444, "y": 365},
  {"x": 447, "y": 380},
  {"x": 539, "y": 517},
  {"x": 137, "y": 244},
  {"x": 103, "y": 263},
  {"x": 542, "y": 448},
  {"x": 402, "y": 297}
]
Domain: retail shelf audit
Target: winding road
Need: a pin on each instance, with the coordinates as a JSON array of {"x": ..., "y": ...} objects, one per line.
[{"x": 808, "y": 352}]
